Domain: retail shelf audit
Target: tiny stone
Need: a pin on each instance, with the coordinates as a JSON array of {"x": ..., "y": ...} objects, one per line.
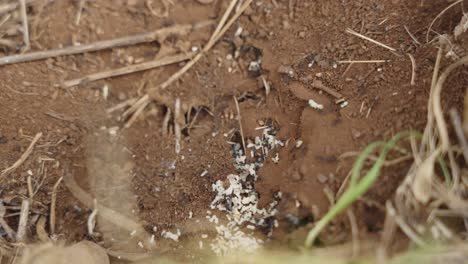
[
  {"x": 296, "y": 176},
  {"x": 356, "y": 133},
  {"x": 322, "y": 178},
  {"x": 286, "y": 70}
]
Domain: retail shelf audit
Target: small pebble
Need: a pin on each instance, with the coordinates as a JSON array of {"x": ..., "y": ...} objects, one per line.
[
  {"x": 322, "y": 178},
  {"x": 296, "y": 176}
]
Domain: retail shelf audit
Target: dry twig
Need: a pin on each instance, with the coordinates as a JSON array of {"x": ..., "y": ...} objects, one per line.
[
  {"x": 361, "y": 61},
  {"x": 24, "y": 21},
  {"x": 53, "y": 205},
  {"x": 177, "y": 129},
  {"x": 352, "y": 32},
  {"x": 157, "y": 35},
  {"x": 22, "y": 158},
  {"x": 23, "y": 221},
  {"x": 413, "y": 70},
  {"x": 127, "y": 70},
  {"x": 79, "y": 12},
  {"x": 4, "y": 224},
  {"x": 319, "y": 85}
]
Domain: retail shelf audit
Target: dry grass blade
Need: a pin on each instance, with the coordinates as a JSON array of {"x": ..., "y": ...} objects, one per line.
[
  {"x": 177, "y": 126},
  {"x": 412, "y": 36},
  {"x": 159, "y": 34},
  {"x": 352, "y": 32},
  {"x": 413, "y": 70},
  {"x": 465, "y": 114},
  {"x": 22, "y": 158},
  {"x": 361, "y": 61},
  {"x": 354, "y": 231},
  {"x": 404, "y": 226},
  {"x": 422, "y": 184},
  {"x": 437, "y": 105},
  {"x": 23, "y": 221},
  {"x": 53, "y": 206},
  {"x": 24, "y": 21},
  {"x": 456, "y": 121},
  {"x": 427, "y": 141},
  {"x": 4, "y": 224},
  {"x": 127, "y": 70},
  {"x": 388, "y": 234},
  {"x": 81, "y": 5},
  {"x": 438, "y": 16}
]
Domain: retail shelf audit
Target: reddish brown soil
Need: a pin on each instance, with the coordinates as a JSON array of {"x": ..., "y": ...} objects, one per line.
[{"x": 381, "y": 102}]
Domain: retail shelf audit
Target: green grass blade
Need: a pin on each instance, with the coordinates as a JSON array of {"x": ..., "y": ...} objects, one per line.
[{"x": 357, "y": 189}]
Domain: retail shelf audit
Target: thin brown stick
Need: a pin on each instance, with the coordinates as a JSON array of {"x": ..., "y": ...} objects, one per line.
[
  {"x": 126, "y": 70},
  {"x": 362, "y": 61},
  {"x": 30, "y": 188},
  {"x": 53, "y": 205},
  {"x": 134, "y": 117},
  {"x": 23, "y": 221},
  {"x": 10, "y": 233},
  {"x": 142, "y": 102},
  {"x": 5, "y": 19},
  {"x": 22, "y": 158},
  {"x": 413, "y": 70},
  {"x": 239, "y": 118},
  {"x": 24, "y": 21},
  {"x": 412, "y": 36},
  {"x": 165, "y": 125},
  {"x": 352, "y": 32},
  {"x": 121, "y": 105},
  {"x": 177, "y": 129},
  {"x": 79, "y": 12},
  {"x": 157, "y": 35},
  {"x": 319, "y": 85}
]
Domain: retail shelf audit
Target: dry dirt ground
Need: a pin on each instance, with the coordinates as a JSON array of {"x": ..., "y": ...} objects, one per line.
[{"x": 290, "y": 45}]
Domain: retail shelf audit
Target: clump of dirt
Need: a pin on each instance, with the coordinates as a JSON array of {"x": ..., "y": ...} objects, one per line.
[{"x": 273, "y": 60}]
